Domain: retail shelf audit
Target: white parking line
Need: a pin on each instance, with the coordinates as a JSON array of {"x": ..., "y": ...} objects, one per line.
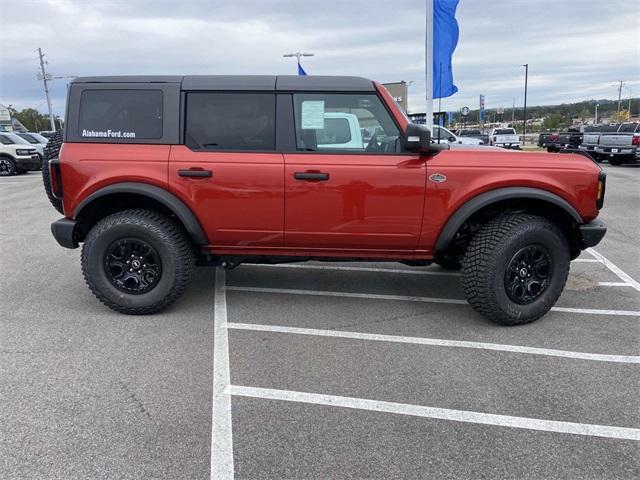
[
  {"x": 221, "y": 431},
  {"x": 359, "y": 269},
  {"x": 615, "y": 269},
  {"x": 589, "y": 311},
  {"x": 436, "y": 342},
  {"x": 586, "y": 260},
  {"x": 614, "y": 284},
  {"x": 622, "y": 433}
]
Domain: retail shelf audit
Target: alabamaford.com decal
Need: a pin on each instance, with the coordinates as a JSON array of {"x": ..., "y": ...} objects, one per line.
[{"x": 108, "y": 134}]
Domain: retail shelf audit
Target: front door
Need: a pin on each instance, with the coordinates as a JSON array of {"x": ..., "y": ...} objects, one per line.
[
  {"x": 228, "y": 171},
  {"x": 348, "y": 185}
]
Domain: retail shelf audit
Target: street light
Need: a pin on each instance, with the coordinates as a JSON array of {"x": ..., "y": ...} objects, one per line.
[
  {"x": 526, "y": 78},
  {"x": 297, "y": 55},
  {"x": 595, "y": 120}
]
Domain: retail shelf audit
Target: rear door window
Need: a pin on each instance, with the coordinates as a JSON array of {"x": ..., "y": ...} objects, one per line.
[
  {"x": 230, "y": 121},
  {"x": 112, "y": 115}
]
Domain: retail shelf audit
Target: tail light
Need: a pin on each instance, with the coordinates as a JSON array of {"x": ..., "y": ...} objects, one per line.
[
  {"x": 55, "y": 174},
  {"x": 602, "y": 183},
  {"x": 553, "y": 137},
  {"x": 635, "y": 140}
]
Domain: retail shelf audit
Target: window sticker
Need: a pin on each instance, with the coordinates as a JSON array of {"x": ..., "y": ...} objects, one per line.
[{"x": 312, "y": 115}]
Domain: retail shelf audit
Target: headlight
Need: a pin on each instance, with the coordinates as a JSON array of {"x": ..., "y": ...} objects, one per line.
[{"x": 24, "y": 152}]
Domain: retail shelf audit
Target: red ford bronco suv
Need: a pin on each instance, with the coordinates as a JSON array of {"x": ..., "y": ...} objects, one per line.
[{"x": 159, "y": 174}]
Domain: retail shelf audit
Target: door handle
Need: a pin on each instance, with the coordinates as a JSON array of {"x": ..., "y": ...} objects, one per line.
[
  {"x": 195, "y": 173},
  {"x": 311, "y": 176}
]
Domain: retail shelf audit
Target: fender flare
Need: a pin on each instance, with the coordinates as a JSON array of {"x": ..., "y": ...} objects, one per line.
[
  {"x": 168, "y": 199},
  {"x": 487, "y": 198}
]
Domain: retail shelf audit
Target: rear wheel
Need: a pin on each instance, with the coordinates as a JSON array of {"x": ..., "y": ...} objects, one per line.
[
  {"x": 515, "y": 268},
  {"x": 7, "y": 167},
  {"x": 51, "y": 150},
  {"x": 137, "y": 261}
]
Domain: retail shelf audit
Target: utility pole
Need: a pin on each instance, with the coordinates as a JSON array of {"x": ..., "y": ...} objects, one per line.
[
  {"x": 595, "y": 120},
  {"x": 513, "y": 111},
  {"x": 620, "y": 95},
  {"x": 629, "y": 114},
  {"x": 45, "y": 77},
  {"x": 526, "y": 78}
]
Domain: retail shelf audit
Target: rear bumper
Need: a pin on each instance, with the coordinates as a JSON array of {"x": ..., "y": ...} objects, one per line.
[
  {"x": 63, "y": 231},
  {"x": 592, "y": 232},
  {"x": 627, "y": 151}
]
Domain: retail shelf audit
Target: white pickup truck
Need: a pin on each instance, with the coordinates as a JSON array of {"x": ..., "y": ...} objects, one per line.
[
  {"x": 621, "y": 146},
  {"x": 504, "y": 137}
]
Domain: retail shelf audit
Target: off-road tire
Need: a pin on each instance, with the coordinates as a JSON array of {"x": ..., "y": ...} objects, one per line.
[
  {"x": 166, "y": 236},
  {"x": 8, "y": 167},
  {"x": 51, "y": 150},
  {"x": 490, "y": 252}
]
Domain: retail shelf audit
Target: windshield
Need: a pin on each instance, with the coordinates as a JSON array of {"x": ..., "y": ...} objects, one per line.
[
  {"x": 17, "y": 139},
  {"x": 28, "y": 138}
]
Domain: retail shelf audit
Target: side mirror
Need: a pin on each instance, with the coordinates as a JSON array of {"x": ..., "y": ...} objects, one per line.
[{"x": 417, "y": 138}]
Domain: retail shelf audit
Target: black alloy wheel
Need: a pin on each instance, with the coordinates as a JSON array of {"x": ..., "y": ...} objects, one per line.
[
  {"x": 527, "y": 274},
  {"x": 132, "y": 266}
]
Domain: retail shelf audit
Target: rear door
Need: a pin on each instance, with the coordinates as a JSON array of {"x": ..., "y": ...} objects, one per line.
[
  {"x": 367, "y": 196},
  {"x": 228, "y": 171}
]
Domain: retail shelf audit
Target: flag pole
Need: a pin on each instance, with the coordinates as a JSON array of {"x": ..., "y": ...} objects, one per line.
[{"x": 428, "y": 65}]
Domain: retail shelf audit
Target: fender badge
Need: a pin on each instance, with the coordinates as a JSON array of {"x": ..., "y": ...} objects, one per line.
[{"x": 437, "y": 177}]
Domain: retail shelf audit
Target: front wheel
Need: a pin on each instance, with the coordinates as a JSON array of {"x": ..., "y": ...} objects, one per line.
[
  {"x": 137, "y": 261},
  {"x": 7, "y": 167},
  {"x": 515, "y": 268}
]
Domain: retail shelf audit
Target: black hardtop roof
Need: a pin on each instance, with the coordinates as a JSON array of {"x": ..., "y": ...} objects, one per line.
[{"x": 245, "y": 82}]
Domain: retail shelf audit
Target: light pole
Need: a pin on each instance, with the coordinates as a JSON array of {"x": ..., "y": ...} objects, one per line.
[
  {"x": 620, "y": 94},
  {"x": 524, "y": 128},
  {"x": 595, "y": 120},
  {"x": 629, "y": 114},
  {"x": 298, "y": 55}
]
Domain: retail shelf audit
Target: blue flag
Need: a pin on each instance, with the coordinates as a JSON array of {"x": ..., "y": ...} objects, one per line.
[
  {"x": 301, "y": 70},
  {"x": 445, "y": 39}
]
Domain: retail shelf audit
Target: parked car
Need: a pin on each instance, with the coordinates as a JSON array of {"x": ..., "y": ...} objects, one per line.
[
  {"x": 474, "y": 133},
  {"x": 620, "y": 146},
  {"x": 174, "y": 171},
  {"x": 571, "y": 139},
  {"x": 445, "y": 136},
  {"x": 16, "y": 155},
  {"x": 591, "y": 139},
  {"x": 549, "y": 140},
  {"x": 36, "y": 140},
  {"x": 504, "y": 137}
]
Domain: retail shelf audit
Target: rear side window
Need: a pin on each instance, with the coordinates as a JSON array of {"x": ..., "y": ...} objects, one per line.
[
  {"x": 121, "y": 114},
  {"x": 231, "y": 121},
  {"x": 628, "y": 127}
]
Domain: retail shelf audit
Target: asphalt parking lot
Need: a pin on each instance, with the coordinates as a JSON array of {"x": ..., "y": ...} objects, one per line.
[{"x": 321, "y": 371}]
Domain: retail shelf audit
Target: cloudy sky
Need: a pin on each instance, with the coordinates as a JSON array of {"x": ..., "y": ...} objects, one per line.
[{"x": 576, "y": 49}]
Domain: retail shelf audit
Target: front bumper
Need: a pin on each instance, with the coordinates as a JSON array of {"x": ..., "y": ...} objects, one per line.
[
  {"x": 30, "y": 162},
  {"x": 592, "y": 232},
  {"x": 64, "y": 231}
]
